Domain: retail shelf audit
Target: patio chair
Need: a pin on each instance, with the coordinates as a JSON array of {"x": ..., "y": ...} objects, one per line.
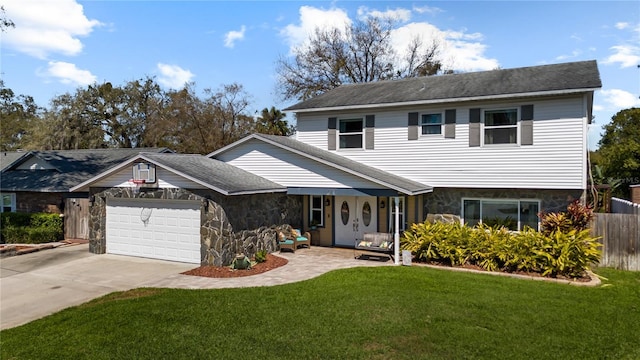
[
  {"x": 286, "y": 242},
  {"x": 302, "y": 239}
]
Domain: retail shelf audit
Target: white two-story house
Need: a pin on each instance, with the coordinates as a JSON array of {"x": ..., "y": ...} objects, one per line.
[{"x": 495, "y": 147}]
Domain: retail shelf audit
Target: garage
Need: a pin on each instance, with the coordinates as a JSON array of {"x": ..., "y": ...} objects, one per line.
[{"x": 153, "y": 228}]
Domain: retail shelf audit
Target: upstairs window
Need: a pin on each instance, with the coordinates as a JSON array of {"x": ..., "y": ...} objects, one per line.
[
  {"x": 501, "y": 126},
  {"x": 351, "y": 133},
  {"x": 431, "y": 124}
]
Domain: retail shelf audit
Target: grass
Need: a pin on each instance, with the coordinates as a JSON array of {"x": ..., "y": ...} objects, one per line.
[{"x": 361, "y": 313}]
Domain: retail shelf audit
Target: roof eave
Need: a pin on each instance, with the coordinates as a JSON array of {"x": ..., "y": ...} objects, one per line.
[{"x": 444, "y": 100}]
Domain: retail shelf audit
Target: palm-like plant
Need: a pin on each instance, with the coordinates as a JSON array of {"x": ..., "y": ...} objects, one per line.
[{"x": 271, "y": 122}]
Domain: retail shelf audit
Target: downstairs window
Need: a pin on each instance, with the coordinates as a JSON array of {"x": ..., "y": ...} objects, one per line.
[{"x": 512, "y": 214}]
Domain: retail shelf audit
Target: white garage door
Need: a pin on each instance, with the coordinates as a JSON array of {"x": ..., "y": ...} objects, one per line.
[{"x": 158, "y": 229}]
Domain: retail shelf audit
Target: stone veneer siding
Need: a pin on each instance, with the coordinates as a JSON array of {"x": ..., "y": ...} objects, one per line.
[
  {"x": 229, "y": 224},
  {"x": 449, "y": 200}
]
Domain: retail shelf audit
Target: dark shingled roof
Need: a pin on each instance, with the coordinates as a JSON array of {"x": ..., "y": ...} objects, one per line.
[
  {"x": 390, "y": 180},
  {"x": 7, "y": 158},
  {"x": 573, "y": 76},
  {"x": 70, "y": 167},
  {"x": 222, "y": 177}
]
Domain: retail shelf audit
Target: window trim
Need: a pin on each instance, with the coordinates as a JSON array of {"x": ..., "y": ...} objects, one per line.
[
  {"x": 12, "y": 196},
  {"x": 312, "y": 209},
  {"x": 422, "y": 125},
  {"x": 361, "y": 133},
  {"x": 485, "y": 127},
  {"x": 391, "y": 212},
  {"x": 518, "y": 200}
]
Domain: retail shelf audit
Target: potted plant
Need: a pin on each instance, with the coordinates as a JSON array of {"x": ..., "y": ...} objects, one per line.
[{"x": 314, "y": 224}]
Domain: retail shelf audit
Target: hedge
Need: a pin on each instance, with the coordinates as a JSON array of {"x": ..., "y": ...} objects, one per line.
[
  {"x": 31, "y": 228},
  {"x": 560, "y": 253}
]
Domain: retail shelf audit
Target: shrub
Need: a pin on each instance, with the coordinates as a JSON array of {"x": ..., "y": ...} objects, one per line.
[
  {"x": 577, "y": 217},
  {"x": 555, "y": 254},
  {"x": 27, "y": 228},
  {"x": 261, "y": 256}
]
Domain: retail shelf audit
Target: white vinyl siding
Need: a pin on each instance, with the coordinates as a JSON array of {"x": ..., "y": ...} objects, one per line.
[
  {"x": 556, "y": 160},
  {"x": 165, "y": 180},
  {"x": 290, "y": 169}
]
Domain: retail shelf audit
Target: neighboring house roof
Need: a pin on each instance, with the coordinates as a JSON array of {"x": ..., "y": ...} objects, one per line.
[
  {"x": 8, "y": 158},
  {"x": 213, "y": 174},
  {"x": 65, "y": 168},
  {"x": 342, "y": 163},
  {"x": 527, "y": 81}
]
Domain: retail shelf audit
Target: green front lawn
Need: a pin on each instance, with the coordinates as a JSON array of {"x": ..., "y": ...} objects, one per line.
[{"x": 362, "y": 313}]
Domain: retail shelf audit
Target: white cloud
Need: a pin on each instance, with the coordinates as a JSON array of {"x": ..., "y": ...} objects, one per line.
[
  {"x": 310, "y": 19},
  {"x": 398, "y": 14},
  {"x": 45, "y": 27},
  {"x": 427, "y": 9},
  {"x": 622, "y": 25},
  {"x": 173, "y": 76},
  {"x": 459, "y": 50},
  {"x": 619, "y": 99},
  {"x": 232, "y": 36},
  {"x": 574, "y": 54},
  {"x": 626, "y": 55},
  {"x": 68, "y": 73}
]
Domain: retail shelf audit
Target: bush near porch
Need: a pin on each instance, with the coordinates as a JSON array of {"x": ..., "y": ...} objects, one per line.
[
  {"x": 555, "y": 254},
  {"x": 31, "y": 228}
]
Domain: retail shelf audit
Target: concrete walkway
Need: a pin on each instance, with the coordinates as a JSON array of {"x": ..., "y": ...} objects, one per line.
[
  {"x": 41, "y": 283},
  {"x": 304, "y": 264}
]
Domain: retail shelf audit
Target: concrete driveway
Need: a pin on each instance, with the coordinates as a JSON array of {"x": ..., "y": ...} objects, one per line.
[{"x": 39, "y": 284}]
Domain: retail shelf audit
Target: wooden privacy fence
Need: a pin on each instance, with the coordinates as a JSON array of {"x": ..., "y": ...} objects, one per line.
[
  {"x": 620, "y": 237},
  {"x": 76, "y": 218}
]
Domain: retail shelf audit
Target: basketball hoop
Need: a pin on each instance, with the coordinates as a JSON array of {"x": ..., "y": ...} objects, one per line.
[
  {"x": 145, "y": 214},
  {"x": 137, "y": 183}
]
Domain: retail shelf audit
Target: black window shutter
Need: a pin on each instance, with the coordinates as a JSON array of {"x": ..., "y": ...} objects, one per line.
[
  {"x": 331, "y": 133},
  {"x": 413, "y": 126},
  {"x": 450, "y": 124},
  {"x": 370, "y": 124},
  {"x": 474, "y": 127},
  {"x": 526, "y": 125}
]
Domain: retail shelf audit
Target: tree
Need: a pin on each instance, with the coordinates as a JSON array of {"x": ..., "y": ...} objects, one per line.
[
  {"x": 620, "y": 150},
  {"x": 229, "y": 106},
  {"x": 5, "y": 22},
  {"x": 271, "y": 122},
  {"x": 18, "y": 114},
  {"x": 67, "y": 126},
  {"x": 143, "y": 104},
  {"x": 362, "y": 52}
]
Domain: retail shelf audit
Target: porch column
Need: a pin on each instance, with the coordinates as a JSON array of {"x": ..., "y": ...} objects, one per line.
[{"x": 396, "y": 235}]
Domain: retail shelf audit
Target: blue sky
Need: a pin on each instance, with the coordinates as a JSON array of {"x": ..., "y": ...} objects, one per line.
[{"x": 60, "y": 45}]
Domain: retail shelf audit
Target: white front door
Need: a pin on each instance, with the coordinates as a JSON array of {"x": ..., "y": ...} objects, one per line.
[{"x": 354, "y": 216}]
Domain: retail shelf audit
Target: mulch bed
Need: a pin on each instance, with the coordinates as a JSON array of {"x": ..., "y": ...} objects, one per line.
[
  {"x": 272, "y": 262},
  {"x": 584, "y": 278}
]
